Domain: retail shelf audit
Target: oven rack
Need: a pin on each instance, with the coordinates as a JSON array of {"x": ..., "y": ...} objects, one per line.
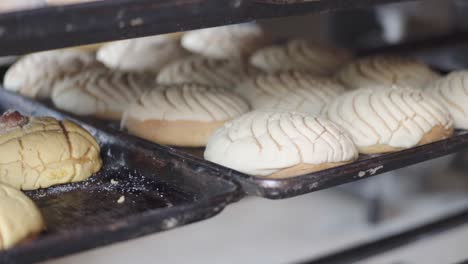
[{"x": 63, "y": 26}]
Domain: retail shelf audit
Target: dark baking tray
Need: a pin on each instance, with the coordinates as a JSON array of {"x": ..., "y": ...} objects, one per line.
[
  {"x": 366, "y": 166},
  {"x": 57, "y": 27},
  {"x": 162, "y": 191}
]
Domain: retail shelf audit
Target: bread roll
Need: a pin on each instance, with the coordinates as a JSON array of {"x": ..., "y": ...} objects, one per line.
[
  {"x": 452, "y": 92},
  {"x": 68, "y": 2},
  {"x": 38, "y": 152},
  {"x": 141, "y": 54},
  {"x": 280, "y": 144},
  {"x": 202, "y": 70},
  {"x": 101, "y": 92},
  {"x": 388, "y": 120},
  {"x": 19, "y": 217},
  {"x": 291, "y": 90},
  {"x": 14, "y": 5},
  {"x": 386, "y": 71},
  {"x": 36, "y": 74},
  {"x": 232, "y": 41},
  {"x": 182, "y": 115},
  {"x": 300, "y": 55}
]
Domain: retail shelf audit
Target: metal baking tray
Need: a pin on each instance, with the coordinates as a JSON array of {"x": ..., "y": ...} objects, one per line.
[
  {"x": 366, "y": 166},
  {"x": 57, "y": 27},
  {"x": 162, "y": 190}
]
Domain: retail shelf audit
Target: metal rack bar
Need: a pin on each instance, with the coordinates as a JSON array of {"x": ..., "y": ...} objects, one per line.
[
  {"x": 57, "y": 27},
  {"x": 373, "y": 248}
]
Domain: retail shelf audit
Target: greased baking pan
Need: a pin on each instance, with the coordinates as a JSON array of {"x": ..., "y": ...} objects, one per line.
[{"x": 162, "y": 190}]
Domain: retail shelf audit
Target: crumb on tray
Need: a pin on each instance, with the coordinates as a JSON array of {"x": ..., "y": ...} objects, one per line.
[{"x": 121, "y": 199}]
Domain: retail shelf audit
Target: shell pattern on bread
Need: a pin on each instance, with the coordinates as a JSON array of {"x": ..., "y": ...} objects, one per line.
[
  {"x": 290, "y": 90},
  {"x": 38, "y": 152},
  {"x": 183, "y": 114},
  {"x": 300, "y": 55},
  {"x": 35, "y": 75},
  {"x": 19, "y": 217},
  {"x": 389, "y": 120},
  {"x": 187, "y": 102},
  {"x": 101, "y": 92},
  {"x": 202, "y": 70},
  {"x": 266, "y": 143},
  {"x": 452, "y": 92},
  {"x": 386, "y": 71},
  {"x": 141, "y": 54},
  {"x": 232, "y": 41}
]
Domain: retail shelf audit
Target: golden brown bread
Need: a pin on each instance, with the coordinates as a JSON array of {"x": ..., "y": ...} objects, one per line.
[
  {"x": 38, "y": 152},
  {"x": 19, "y": 217}
]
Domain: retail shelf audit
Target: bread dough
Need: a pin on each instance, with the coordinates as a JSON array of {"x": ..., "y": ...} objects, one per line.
[
  {"x": 389, "y": 120},
  {"x": 300, "y": 55},
  {"x": 36, "y": 74},
  {"x": 452, "y": 92},
  {"x": 19, "y": 217},
  {"x": 291, "y": 90},
  {"x": 202, "y": 70},
  {"x": 38, "y": 152},
  {"x": 232, "y": 41},
  {"x": 141, "y": 54},
  {"x": 182, "y": 115},
  {"x": 101, "y": 92},
  {"x": 279, "y": 144},
  {"x": 386, "y": 71}
]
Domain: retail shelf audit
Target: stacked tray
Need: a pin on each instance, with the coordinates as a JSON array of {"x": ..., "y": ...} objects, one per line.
[
  {"x": 57, "y": 27},
  {"x": 166, "y": 187}
]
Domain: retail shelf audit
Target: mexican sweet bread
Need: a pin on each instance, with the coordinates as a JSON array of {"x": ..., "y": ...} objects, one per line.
[
  {"x": 214, "y": 72},
  {"x": 280, "y": 144},
  {"x": 141, "y": 54},
  {"x": 19, "y": 217},
  {"x": 452, "y": 92},
  {"x": 182, "y": 114},
  {"x": 232, "y": 41},
  {"x": 384, "y": 71},
  {"x": 290, "y": 90},
  {"x": 38, "y": 152},
  {"x": 101, "y": 92},
  {"x": 300, "y": 55},
  {"x": 36, "y": 74},
  {"x": 388, "y": 120}
]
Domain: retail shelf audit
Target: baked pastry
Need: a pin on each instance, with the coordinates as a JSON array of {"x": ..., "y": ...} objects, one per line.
[
  {"x": 182, "y": 115},
  {"x": 300, "y": 55},
  {"x": 452, "y": 92},
  {"x": 19, "y": 217},
  {"x": 386, "y": 71},
  {"x": 280, "y": 144},
  {"x": 202, "y": 70},
  {"x": 388, "y": 120},
  {"x": 232, "y": 41},
  {"x": 36, "y": 74},
  {"x": 290, "y": 90},
  {"x": 38, "y": 152},
  {"x": 141, "y": 54},
  {"x": 101, "y": 92},
  {"x": 13, "y": 5},
  {"x": 68, "y": 2}
]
